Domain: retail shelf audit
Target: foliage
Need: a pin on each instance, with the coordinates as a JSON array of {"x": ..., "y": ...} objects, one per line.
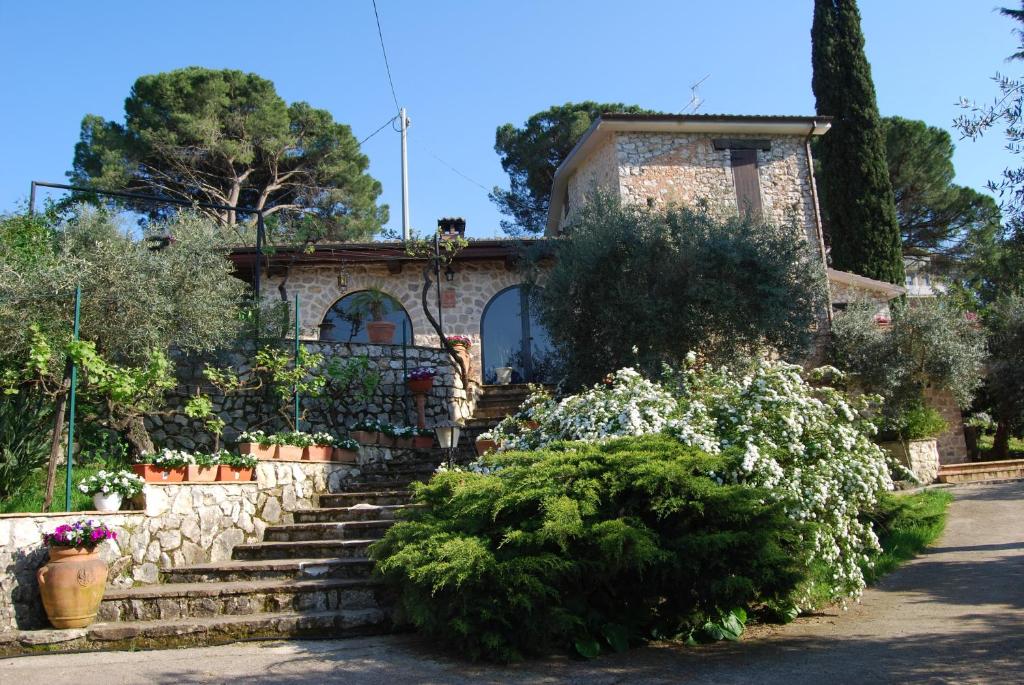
[
  {"x": 1005, "y": 110},
  {"x": 168, "y": 459},
  {"x": 227, "y": 137},
  {"x": 373, "y": 301},
  {"x": 591, "y": 545},
  {"x": 238, "y": 461},
  {"x": 920, "y": 422},
  {"x": 633, "y": 286},
  {"x": 931, "y": 343},
  {"x": 31, "y": 493},
  {"x": 87, "y": 533},
  {"x": 1003, "y": 391},
  {"x": 856, "y": 194},
  {"x": 460, "y": 340},
  {"x": 530, "y": 155},
  {"x": 24, "y": 444},
  {"x": 810, "y": 446},
  {"x": 906, "y": 525},
  {"x": 125, "y": 483},
  {"x": 935, "y": 215}
]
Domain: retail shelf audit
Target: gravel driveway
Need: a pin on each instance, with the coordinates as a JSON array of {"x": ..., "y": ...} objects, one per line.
[{"x": 956, "y": 614}]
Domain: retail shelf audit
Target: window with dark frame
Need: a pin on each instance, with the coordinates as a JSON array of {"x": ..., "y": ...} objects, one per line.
[{"x": 745, "y": 179}]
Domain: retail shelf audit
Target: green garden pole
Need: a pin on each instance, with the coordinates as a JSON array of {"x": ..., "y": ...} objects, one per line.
[
  {"x": 71, "y": 403},
  {"x": 296, "y": 360}
]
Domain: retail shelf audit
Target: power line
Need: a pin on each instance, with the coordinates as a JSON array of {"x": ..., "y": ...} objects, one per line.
[
  {"x": 382, "y": 127},
  {"x": 473, "y": 181},
  {"x": 387, "y": 66}
]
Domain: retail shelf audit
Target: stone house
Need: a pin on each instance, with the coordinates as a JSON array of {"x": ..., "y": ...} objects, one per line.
[{"x": 732, "y": 163}]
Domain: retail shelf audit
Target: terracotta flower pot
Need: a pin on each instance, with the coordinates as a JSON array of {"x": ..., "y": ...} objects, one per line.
[
  {"x": 200, "y": 474},
  {"x": 463, "y": 352},
  {"x": 485, "y": 446},
  {"x": 318, "y": 453},
  {"x": 420, "y": 386},
  {"x": 260, "y": 452},
  {"x": 365, "y": 437},
  {"x": 531, "y": 425},
  {"x": 289, "y": 452},
  {"x": 404, "y": 443},
  {"x": 107, "y": 503},
  {"x": 347, "y": 456},
  {"x": 159, "y": 474},
  {"x": 385, "y": 440},
  {"x": 381, "y": 332},
  {"x": 234, "y": 473},
  {"x": 71, "y": 585},
  {"x": 423, "y": 442}
]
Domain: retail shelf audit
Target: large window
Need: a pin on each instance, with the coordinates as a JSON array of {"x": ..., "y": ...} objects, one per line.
[
  {"x": 512, "y": 337},
  {"x": 346, "y": 320}
]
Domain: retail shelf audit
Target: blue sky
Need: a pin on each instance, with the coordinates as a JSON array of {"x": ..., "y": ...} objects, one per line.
[{"x": 463, "y": 68}]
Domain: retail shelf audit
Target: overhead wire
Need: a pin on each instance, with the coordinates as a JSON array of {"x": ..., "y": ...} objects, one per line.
[{"x": 387, "y": 66}]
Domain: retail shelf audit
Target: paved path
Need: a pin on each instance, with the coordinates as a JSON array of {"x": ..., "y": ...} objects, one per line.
[{"x": 956, "y": 614}]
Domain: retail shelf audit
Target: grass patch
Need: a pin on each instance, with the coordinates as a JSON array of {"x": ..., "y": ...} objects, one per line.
[
  {"x": 985, "y": 447},
  {"x": 29, "y": 497},
  {"x": 905, "y": 525}
]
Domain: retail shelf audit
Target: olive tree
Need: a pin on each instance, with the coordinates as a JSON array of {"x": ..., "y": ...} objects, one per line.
[{"x": 634, "y": 286}]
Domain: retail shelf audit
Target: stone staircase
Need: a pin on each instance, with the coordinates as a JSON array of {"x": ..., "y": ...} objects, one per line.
[
  {"x": 982, "y": 471},
  {"x": 495, "y": 403},
  {"x": 308, "y": 578}
]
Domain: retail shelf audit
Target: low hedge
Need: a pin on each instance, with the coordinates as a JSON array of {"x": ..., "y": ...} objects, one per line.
[{"x": 588, "y": 546}]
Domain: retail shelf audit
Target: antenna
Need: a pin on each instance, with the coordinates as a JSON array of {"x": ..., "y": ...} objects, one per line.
[{"x": 695, "y": 99}]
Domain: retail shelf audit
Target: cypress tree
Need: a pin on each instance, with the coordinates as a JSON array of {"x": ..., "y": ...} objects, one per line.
[{"x": 856, "y": 195}]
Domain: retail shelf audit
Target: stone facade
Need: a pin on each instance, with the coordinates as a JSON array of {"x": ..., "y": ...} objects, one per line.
[
  {"x": 951, "y": 444},
  {"x": 181, "y": 524},
  {"x": 475, "y": 284},
  {"x": 920, "y": 456},
  {"x": 333, "y": 414},
  {"x": 684, "y": 168}
]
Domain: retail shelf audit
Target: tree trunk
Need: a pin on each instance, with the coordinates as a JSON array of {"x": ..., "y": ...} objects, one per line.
[
  {"x": 1001, "y": 442},
  {"x": 137, "y": 435},
  {"x": 56, "y": 437}
]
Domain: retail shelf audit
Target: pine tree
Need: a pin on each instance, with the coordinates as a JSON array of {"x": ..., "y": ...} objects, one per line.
[{"x": 856, "y": 194}]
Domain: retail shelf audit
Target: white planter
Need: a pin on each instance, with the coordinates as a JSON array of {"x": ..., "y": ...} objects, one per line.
[
  {"x": 504, "y": 374},
  {"x": 111, "y": 502}
]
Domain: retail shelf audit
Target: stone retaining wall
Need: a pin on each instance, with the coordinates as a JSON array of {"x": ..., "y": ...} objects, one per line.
[
  {"x": 181, "y": 524},
  {"x": 920, "y": 456},
  {"x": 332, "y": 413}
]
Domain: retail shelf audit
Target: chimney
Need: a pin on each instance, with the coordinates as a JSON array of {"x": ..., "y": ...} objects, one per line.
[{"x": 453, "y": 227}]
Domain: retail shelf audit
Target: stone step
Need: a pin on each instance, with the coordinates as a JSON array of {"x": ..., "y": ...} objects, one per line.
[
  {"x": 375, "y": 497},
  {"x": 345, "y": 549},
  {"x": 982, "y": 471},
  {"x": 214, "y": 630},
  {"x": 270, "y": 569},
  {"x": 496, "y": 412},
  {"x": 359, "y": 512},
  {"x": 199, "y": 600},
  {"x": 333, "y": 530}
]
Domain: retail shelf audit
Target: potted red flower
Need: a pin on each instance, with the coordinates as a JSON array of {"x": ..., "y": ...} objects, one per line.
[
  {"x": 71, "y": 583},
  {"x": 420, "y": 380}
]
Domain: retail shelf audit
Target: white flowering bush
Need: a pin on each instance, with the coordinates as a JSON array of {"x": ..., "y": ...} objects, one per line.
[
  {"x": 810, "y": 446},
  {"x": 126, "y": 483},
  {"x": 626, "y": 404}
]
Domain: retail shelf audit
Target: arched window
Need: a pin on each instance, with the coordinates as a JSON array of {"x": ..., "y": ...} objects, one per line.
[
  {"x": 512, "y": 337},
  {"x": 348, "y": 318}
]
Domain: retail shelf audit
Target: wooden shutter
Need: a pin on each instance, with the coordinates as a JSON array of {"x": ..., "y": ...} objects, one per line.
[{"x": 744, "y": 175}]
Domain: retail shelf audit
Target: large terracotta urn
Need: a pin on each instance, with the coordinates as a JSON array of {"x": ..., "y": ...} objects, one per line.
[
  {"x": 381, "y": 332},
  {"x": 71, "y": 584}
]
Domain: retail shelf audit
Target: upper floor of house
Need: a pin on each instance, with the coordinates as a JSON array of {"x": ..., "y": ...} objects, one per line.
[{"x": 734, "y": 163}]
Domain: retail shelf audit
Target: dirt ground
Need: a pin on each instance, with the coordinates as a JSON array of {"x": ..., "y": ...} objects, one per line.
[{"x": 955, "y": 614}]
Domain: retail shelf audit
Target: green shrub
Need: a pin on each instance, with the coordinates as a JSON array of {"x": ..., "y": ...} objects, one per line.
[
  {"x": 920, "y": 422},
  {"x": 25, "y": 422},
  {"x": 587, "y": 545}
]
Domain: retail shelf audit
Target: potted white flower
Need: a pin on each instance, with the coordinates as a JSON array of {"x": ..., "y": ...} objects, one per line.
[{"x": 110, "y": 488}]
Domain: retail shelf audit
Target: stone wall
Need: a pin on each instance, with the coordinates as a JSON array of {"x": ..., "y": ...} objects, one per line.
[
  {"x": 658, "y": 169},
  {"x": 920, "y": 456},
  {"x": 952, "y": 445},
  {"x": 474, "y": 285},
  {"x": 181, "y": 524},
  {"x": 597, "y": 173},
  {"x": 333, "y": 412}
]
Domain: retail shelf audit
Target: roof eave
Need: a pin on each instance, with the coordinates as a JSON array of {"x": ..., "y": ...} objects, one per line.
[{"x": 890, "y": 290}]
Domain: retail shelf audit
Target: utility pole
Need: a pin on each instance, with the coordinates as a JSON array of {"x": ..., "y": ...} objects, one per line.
[{"x": 406, "y": 231}]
